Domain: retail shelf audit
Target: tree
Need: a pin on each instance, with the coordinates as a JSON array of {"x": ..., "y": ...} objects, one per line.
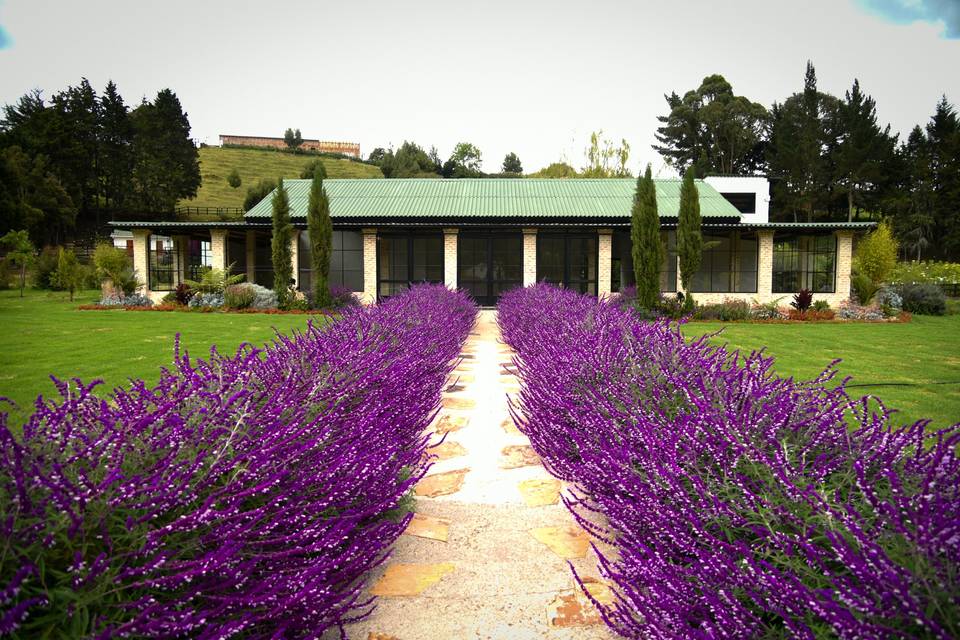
[
  {"x": 31, "y": 198},
  {"x": 605, "y": 160},
  {"x": 376, "y": 156},
  {"x": 464, "y": 162},
  {"x": 20, "y": 251},
  {"x": 321, "y": 242},
  {"x": 556, "y": 170},
  {"x": 258, "y": 192},
  {"x": 511, "y": 164},
  {"x": 116, "y": 148},
  {"x": 166, "y": 162},
  {"x": 114, "y": 265},
  {"x": 409, "y": 161},
  {"x": 233, "y": 179},
  {"x": 863, "y": 149},
  {"x": 292, "y": 138},
  {"x": 713, "y": 130},
  {"x": 70, "y": 273},
  {"x": 689, "y": 236},
  {"x": 876, "y": 254},
  {"x": 280, "y": 246},
  {"x": 647, "y": 249},
  {"x": 313, "y": 169}
]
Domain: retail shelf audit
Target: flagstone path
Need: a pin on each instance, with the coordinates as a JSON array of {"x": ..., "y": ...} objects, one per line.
[{"x": 486, "y": 554}]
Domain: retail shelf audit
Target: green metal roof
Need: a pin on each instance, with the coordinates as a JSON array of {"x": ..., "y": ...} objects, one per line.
[{"x": 491, "y": 197}]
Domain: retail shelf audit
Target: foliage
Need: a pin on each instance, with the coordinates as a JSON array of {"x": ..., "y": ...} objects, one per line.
[
  {"x": 242, "y": 495},
  {"x": 280, "y": 246},
  {"x": 208, "y": 300},
  {"x": 820, "y": 305},
  {"x": 854, "y": 311},
  {"x": 767, "y": 310},
  {"x": 120, "y": 299},
  {"x": 712, "y": 130},
  {"x": 214, "y": 280},
  {"x": 233, "y": 179},
  {"x": 43, "y": 267},
  {"x": 70, "y": 274},
  {"x": 292, "y": 138},
  {"x": 239, "y": 296},
  {"x": 320, "y": 230},
  {"x": 924, "y": 299},
  {"x": 257, "y": 193},
  {"x": 314, "y": 169},
  {"x": 464, "y": 162},
  {"x": 646, "y": 245},
  {"x": 864, "y": 289},
  {"x": 263, "y": 298},
  {"x": 876, "y": 254},
  {"x": 32, "y": 198},
  {"x": 556, "y": 170},
  {"x": 729, "y": 310},
  {"x": 689, "y": 235},
  {"x": 20, "y": 252},
  {"x": 409, "y": 161},
  {"x": 511, "y": 164},
  {"x": 802, "y": 300},
  {"x": 919, "y": 272},
  {"x": 183, "y": 293},
  {"x": 734, "y": 501},
  {"x": 604, "y": 160},
  {"x": 341, "y": 296}
]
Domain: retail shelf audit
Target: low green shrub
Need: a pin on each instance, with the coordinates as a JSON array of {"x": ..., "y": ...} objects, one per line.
[
  {"x": 820, "y": 306},
  {"x": 727, "y": 311},
  {"x": 239, "y": 296},
  {"x": 863, "y": 288},
  {"x": 924, "y": 299},
  {"x": 44, "y": 267}
]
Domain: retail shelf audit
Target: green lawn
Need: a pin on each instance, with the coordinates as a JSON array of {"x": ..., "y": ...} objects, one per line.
[
  {"x": 46, "y": 334},
  {"x": 216, "y": 163},
  {"x": 919, "y": 353}
]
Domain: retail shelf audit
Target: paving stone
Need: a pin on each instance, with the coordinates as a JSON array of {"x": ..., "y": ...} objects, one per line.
[
  {"x": 510, "y": 427},
  {"x": 448, "y": 423},
  {"x": 540, "y": 492},
  {"x": 518, "y": 455},
  {"x": 573, "y": 609},
  {"x": 458, "y": 403},
  {"x": 381, "y": 636},
  {"x": 455, "y": 387},
  {"x": 428, "y": 527},
  {"x": 447, "y": 450},
  {"x": 409, "y": 579},
  {"x": 441, "y": 484},
  {"x": 567, "y": 542}
]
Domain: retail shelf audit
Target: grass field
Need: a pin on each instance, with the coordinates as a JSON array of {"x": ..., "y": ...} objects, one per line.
[
  {"x": 46, "y": 334},
  {"x": 216, "y": 163},
  {"x": 902, "y": 363}
]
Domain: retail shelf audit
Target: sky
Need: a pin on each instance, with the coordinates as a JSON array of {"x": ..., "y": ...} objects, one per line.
[{"x": 529, "y": 77}]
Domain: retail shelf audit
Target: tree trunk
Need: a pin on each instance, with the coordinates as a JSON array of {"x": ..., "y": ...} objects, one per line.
[
  {"x": 23, "y": 277},
  {"x": 850, "y": 204}
]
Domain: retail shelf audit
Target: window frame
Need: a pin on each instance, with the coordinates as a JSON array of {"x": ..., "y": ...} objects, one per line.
[
  {"x": 803, "y": 257},
  {"x": 410, "y": 236},
  {"x": 337, "y": 275},
  {"x": 735, "y": 252},
  {"x": 154, "y": 269},
  {"x": 591, "y": 287}
]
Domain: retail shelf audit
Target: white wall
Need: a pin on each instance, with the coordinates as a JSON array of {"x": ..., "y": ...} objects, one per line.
[{"x": 758, "y": 185}]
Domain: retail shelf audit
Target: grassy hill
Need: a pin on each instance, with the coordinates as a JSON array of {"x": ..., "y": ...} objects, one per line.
[{"x": 256, "y": 164}]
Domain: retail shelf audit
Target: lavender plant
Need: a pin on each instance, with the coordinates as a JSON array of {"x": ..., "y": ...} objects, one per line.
[
  {"x": 739, "y": 504},
  {"x": 241, "y": 495}
]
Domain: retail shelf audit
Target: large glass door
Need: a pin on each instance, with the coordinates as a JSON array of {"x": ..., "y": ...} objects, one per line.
[
  {"x": 489, "y": 264},
  {"x": 568, "y": 260},
  {"x": 406, "y": 258}
]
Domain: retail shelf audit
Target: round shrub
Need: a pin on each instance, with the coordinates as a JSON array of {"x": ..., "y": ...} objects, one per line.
[
  {"x": 889, "y": 300},
  {"x": 115, "y": 299},
  {"x": 263, "y": 298},
  {"x": 238, "y": 296},
  {"x": 206, "y": 300},
  {"x": 924, "y": 299}
]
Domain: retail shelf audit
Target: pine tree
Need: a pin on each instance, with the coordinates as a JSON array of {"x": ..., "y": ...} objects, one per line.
[
  {"x": 321, "y": 241},
  {"x": 647, "y": 249},
  {"x": 689, "y": 236},
  {"x": 511, "y": 164},
  {"x": 116, "y": 148},
  {"x": 280, "y": 246}
]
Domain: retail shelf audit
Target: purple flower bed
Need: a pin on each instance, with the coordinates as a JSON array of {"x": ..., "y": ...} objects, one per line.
[
  {"x": 242, "y": 495},
  {"x": 738, "y": 504}
]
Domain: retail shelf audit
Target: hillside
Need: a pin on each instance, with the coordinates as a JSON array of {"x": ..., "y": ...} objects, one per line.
[{"x": 255, "y": 165}]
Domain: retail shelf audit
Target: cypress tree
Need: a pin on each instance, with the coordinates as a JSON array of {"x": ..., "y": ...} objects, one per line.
[
  {"x": 689, "y": 237},
  {"x": 647, "y": 250},
  {"x": 280, "y": 246},
  {"x": 321, "y": 240}
]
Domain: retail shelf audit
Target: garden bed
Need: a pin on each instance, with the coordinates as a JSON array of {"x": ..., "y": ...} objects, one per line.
[{"x": 185, "y": 309}]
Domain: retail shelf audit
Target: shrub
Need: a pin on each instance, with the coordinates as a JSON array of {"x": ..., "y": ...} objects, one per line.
[
  {"x": 889, "y": 301},
  {"x": 183, "y": 293},
  {"x": 239, "y": 296},
  {"x": 44, "y": 266},
  {"x": 314, "y": 168},
  {"x": 853, "y": 311},
  {"x": 876, "y": 254},
  {"x": 820, "y": 305},
  {"x": 215, "y": 280},
  {"x": 241, "y": 496},
  {"x": 921, "y": 272},
  {"x": 864, "y": 289},
  {"x": 70, "y": 274},
  {"x": 233, "y": 179},
  {"x": 114, "y": 264},
  {"x": 115, "y": 299},
  {"x": 767, "y": 310},
  {"x": 343, "y": 297},
  {"x": 727, "y": 311},
  {"x": 923, "y": 299},
  {"x": 263, "y": 298},
  {"x": 257, "y": 193},
  {"x": 802, "y": 300},
  {"x": 206, "y": 301},
  {"x": 735, "y": 503}
]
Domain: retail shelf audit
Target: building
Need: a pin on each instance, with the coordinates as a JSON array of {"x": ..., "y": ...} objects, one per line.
[
  {"x": 325, "y": 146},
  {"x": 489, "y": 235}
]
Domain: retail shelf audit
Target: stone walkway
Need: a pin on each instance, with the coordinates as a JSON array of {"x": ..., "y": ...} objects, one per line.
[{"x": 486, "y": 554}]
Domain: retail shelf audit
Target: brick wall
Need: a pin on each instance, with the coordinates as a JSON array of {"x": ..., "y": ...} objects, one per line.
[
  {"x": 218, "y": 248},
  {"x": 450, "y": 258},
  {"x": 604, "y": 262},
  {"x": 529, "y": 257},
  {"x": 369, "y": 295}
]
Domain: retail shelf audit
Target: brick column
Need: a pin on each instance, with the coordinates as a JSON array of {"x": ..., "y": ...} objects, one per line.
[
  {"x": 604, "y": 261},
  {"x": 765, "y": 266},
  {"x": 218, "y": 249},
  {"x": 141, "y": 260},
  {"x": 369, "y": 265},
  {"x": 529, "y": 257},
  {"x": 844, "y": 266},
  {"x": 251, "y": 248},
  {"x": 295, "y": 257},
  {"x": 450, "y": 258}
]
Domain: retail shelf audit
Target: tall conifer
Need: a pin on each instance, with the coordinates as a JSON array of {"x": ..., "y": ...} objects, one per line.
[
  {"x": 689, "y": 236},
  {"x": 321, "y": 240},
  {"x": 280, "y": 246},
  {"x": 647, "y": 249}
]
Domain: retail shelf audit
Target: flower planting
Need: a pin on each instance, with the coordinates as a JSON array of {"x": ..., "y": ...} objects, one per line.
[
  {"x": 738, "y": 504},
  {"x": 244, "y": 495}
]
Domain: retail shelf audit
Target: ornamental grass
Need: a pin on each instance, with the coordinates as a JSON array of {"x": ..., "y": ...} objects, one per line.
[
  {"x": 738, "y": 504},
  {"x": 245, "y": 495}
]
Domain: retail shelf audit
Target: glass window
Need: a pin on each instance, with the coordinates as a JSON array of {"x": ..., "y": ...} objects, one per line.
[
  {"x": 237, "y": 253},
  {"x": 804, "y": 262},
  {"x": 568, "y": 260},
  {"x": 621, "y": 261},
  {"x": 346, "y": 261},
  {"x": 405, "y": 258},
  {"x": 163, "y": 263},
  {"x": 263, "y": 260},
  {"x": 198, "y": 257},
  {"x": 729, "y": 263}
]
